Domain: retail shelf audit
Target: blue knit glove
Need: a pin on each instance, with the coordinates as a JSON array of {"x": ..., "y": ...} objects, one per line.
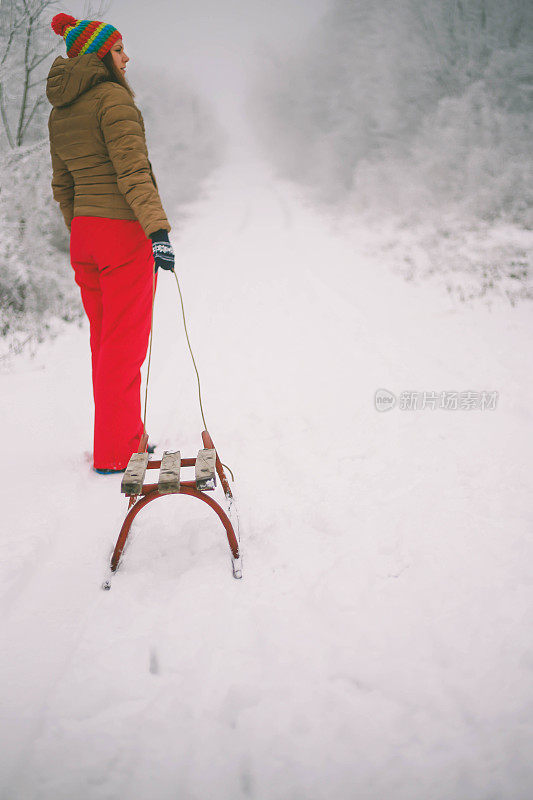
[{"x": 162, "y": 249}]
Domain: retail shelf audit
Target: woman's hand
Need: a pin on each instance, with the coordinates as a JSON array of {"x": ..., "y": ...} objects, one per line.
[{"x": 162, "y": 249}]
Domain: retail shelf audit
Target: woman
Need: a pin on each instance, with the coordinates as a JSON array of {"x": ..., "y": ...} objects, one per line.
[{"x": 103, "y": 182}]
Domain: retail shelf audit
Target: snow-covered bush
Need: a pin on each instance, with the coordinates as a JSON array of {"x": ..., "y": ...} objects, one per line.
[
  {"x": 35, "y": 275},
  {"x": 415, "y": 115},
  {"x": 408, "y": 105}
]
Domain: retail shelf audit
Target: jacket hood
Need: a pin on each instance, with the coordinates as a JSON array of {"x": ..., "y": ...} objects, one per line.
[{"x": 71, "y": 77}]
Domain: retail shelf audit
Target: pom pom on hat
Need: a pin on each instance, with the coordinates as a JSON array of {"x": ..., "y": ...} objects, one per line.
[
  {"x": 85, "y": 35},
  {"x": 62, "y": 21}
]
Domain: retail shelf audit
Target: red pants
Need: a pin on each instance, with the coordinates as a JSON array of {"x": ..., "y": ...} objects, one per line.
[{"x": 113, "y": 265}]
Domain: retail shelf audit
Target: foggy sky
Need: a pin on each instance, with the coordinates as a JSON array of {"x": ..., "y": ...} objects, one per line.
[{"x": 216, "y": 45}]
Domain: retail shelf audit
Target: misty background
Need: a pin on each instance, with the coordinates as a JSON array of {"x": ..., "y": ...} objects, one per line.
[
  {"x": 398, "y": 105},
  {"x": 411, "y": 116}
]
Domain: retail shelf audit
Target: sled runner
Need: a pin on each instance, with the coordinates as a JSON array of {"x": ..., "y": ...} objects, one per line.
[{"x": 207, "y": 466}]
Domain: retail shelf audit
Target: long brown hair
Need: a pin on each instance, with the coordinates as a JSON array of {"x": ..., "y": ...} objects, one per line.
[{"x": 115, "y": 74}]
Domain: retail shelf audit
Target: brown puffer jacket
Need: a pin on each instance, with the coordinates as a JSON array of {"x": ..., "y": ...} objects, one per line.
[{"x": 97, "y": 142}]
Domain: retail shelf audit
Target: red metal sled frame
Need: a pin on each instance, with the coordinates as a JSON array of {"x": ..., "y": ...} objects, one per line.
[{"x": 150, "y": 492}]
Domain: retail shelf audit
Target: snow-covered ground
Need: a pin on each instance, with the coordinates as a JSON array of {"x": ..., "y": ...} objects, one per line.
[{"x": 379, "y": 645}]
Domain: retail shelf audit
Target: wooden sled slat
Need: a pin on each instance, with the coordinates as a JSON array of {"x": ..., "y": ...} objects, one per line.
[
  {"x": 169, "y": 474},
  {"x": 133, "y": 479},
  {"x": 205, "y": 470},
  {"x": 207, "y": 466}
]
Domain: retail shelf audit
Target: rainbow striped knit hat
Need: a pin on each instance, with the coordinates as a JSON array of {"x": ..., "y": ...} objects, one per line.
[{"x": 85, "y": 35}]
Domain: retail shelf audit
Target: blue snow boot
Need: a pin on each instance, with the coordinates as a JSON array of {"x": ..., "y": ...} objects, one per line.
[{"x": 150, "y": 450}]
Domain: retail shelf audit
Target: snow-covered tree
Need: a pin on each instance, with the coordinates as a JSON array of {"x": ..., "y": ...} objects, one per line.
[
  {"x": 26, "y": 44},
  {"x": 400, "y": 101}
]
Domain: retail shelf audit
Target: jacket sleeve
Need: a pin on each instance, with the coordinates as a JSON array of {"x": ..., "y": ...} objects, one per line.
[
  {"x": 123, "y": 133},
  {"x": 62, "y": 187}
]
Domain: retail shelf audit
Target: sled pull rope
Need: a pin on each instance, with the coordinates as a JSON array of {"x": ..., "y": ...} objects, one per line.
[
  {"x": 194, "y": 362},
  {"x": 190, "y": 351},
  {"x": 149, "y": 353}
]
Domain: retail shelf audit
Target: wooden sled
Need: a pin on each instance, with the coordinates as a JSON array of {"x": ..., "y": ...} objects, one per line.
[{"x": 207, "y": 466}]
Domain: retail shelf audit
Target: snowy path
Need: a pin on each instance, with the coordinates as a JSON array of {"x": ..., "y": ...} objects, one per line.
[{"x": 379, "y": 645}]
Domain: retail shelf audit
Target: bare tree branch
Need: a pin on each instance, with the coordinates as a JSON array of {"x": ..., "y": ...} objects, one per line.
[
  {"x": 40, "y": 59},
  {"x": 4, "y": 117},
  {"x": 8, "y": 46},
  {"x": 13, "y": 28},
  {"x": 24, "y": 100},
  {"x": 36, "y": 105}
]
